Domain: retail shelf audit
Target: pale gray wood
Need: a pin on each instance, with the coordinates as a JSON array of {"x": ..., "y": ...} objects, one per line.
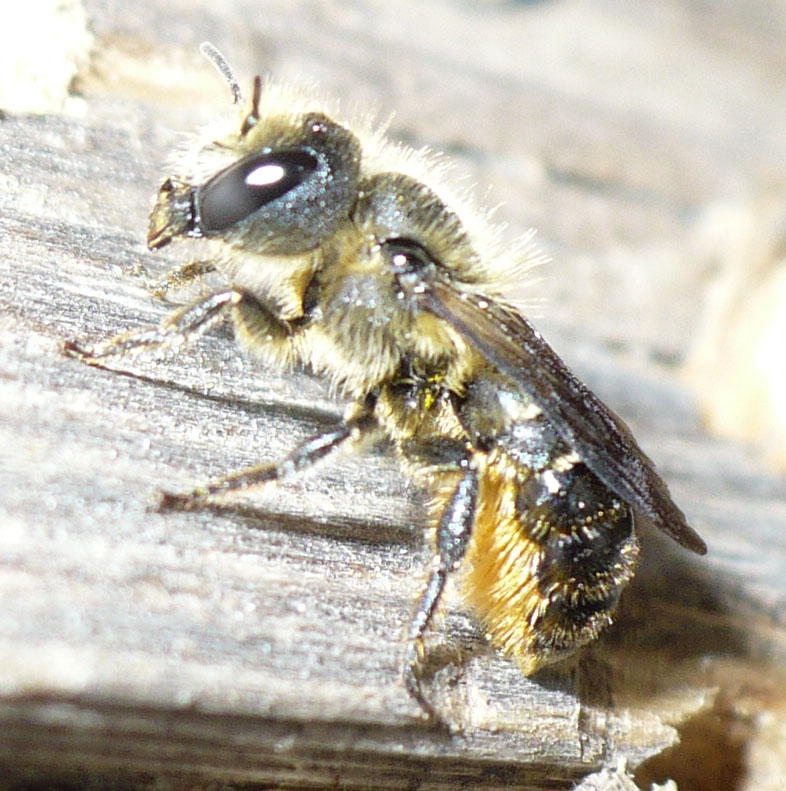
[{"x": 260, "y": 643}]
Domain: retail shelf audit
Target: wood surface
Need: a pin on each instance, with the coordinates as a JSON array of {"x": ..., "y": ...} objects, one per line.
[{"x": 258, "y": 644}]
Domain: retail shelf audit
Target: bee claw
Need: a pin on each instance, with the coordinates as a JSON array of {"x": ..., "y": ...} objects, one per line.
[
  {"x": 172, "y": 501},
  {"x": 73, "y": 349}
]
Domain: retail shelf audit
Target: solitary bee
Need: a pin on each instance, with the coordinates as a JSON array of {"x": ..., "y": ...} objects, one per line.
[{"x": 339, "y": 257}]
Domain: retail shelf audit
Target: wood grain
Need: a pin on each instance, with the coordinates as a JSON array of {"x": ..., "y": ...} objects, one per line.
[{"x": 258, "y": 644}]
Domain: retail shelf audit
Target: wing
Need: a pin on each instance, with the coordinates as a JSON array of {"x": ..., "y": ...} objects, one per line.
[{"x": 605, "y": 444}]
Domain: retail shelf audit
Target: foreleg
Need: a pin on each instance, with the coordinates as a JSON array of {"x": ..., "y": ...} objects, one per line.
[
  {"x": 186, "y": 324},
  {"x": 178, "y": 328}
]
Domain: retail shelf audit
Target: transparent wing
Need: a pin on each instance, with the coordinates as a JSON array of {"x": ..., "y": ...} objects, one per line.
[{"x": 516, "y": 349}]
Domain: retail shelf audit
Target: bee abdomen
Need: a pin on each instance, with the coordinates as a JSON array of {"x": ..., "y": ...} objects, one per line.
[
  {"x": 551, "y": 552},
  {"x": 582, "y": 571}
]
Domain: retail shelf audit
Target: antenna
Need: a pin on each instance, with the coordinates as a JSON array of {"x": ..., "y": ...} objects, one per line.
[{"x": 222, "y": 64}]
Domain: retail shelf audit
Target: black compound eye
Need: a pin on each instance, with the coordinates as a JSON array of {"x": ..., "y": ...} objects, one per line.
[{"x": 255, "y": 181}]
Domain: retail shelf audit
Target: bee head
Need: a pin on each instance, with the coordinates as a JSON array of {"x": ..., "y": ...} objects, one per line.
[{"x": 279, "y": 185}]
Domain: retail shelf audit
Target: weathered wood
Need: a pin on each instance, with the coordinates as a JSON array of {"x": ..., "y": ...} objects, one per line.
[{"x": 260, "y": 643}]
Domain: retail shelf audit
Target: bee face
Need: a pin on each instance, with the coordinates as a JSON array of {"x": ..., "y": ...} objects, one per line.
[{"x": 339, "y": 256}]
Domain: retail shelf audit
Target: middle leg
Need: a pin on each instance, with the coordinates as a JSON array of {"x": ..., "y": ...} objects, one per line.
[{"x": 302, "y": 458}]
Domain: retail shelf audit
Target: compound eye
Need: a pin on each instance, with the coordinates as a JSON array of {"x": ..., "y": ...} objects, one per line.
[{"x": 255, "y": 181}]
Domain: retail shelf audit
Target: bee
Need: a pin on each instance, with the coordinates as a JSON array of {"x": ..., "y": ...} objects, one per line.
[{"x": 338, "y": 255}]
